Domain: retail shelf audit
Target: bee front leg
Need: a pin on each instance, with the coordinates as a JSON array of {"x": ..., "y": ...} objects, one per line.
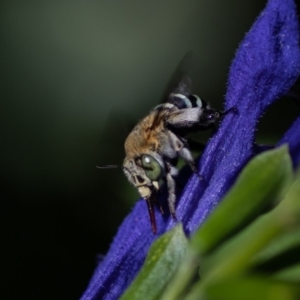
[{"x": 171, "y": 171}]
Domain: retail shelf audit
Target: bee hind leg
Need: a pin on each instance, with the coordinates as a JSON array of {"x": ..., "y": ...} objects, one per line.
[
  {"x": 172, "y": 171},
  {"x": 188, "y": 158}
]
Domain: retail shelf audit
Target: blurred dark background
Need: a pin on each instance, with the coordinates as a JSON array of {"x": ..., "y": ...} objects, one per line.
[{"x": 74, "y": 76}]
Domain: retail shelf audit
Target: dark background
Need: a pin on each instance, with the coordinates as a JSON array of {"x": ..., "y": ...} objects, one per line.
[{"x": 74, "y": 76}]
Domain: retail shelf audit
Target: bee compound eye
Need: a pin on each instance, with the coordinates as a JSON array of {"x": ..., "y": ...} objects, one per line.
[{"x": 151, "y": 167}]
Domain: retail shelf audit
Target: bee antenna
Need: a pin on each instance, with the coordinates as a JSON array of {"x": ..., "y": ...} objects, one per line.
[
  {"x": 107, "y": 167},
  {"x": 231, "y": 109}
]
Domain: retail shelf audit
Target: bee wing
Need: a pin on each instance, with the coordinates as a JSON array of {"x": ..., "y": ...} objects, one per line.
[{"x": 179, "y": 81}]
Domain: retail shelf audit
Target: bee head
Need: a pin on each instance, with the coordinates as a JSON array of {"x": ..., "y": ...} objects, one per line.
[{"x": 144, "y": 172}]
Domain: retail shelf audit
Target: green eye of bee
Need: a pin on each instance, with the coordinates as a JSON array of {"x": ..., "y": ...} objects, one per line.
[{"x": 151, "y": 167}]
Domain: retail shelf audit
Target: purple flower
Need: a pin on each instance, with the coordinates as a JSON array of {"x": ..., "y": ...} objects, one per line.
[{"x": 266, "y": 65}]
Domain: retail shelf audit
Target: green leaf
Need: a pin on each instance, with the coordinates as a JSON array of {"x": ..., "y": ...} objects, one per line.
[
  {"x": 263, "y": 181},
  {"x": 236, "y": 255},
  {"x": 247, "y": 288},
  {"x": 163, "y": 259},
  {"x": 280, "y": 253},
  {"x": 187, "y": 272},
  {"x": 291, "y": 274}
]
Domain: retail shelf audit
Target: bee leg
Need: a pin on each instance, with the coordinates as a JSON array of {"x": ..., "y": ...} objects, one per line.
[
  {"x": 161, "y": 209},
  {"x": 187, "y": 156},
  {"x": 171, "y": 189},
  {"x": 185, "y": 118},
  {"x": 158, "y": 204}
]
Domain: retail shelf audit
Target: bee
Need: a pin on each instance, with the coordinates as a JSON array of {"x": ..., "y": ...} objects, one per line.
[{"x": 159, "y": 139}]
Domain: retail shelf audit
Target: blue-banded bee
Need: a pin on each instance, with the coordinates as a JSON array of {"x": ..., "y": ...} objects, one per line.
[{"x": 160, "y": 139}]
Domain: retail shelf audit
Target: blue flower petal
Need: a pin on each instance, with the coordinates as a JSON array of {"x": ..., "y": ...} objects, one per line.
[
  {"x": 266, "y": 65},
  {"x": 292, "y": 137},
  {"x": 125, "y": 257}
]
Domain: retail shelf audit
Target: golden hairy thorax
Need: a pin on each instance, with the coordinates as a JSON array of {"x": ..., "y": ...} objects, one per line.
[{"x": 146, "y": 134}]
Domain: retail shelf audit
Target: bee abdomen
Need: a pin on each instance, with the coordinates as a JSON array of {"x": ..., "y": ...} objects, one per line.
[{"x": 183, "y": 101}]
